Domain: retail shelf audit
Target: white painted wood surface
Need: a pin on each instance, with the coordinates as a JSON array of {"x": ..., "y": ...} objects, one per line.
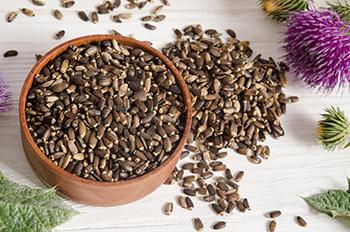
[{"x": 298, "y": 166}]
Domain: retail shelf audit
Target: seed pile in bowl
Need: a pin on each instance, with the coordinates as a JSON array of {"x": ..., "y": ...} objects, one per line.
[
  {"x": 237, "y": 103},
  {"x": 106, "y": 111}
]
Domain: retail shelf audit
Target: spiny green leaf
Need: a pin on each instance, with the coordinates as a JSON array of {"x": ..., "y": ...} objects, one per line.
[
  {"x": 335, "y": 203},
  {"x": 30, "y": 209}
]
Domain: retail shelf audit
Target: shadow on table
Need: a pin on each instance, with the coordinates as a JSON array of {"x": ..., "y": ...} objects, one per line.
[
  {"x": 302, "y": 128},
  {"x": 344, "y": 221}
]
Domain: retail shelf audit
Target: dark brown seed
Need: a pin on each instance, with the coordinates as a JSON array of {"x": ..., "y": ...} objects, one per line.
[
  {"x": 28, "y": 12},
  {"x": 60, "y": 34},
  {"x": 230, "y": 207},
  {"x": 231, "y": 33},
  {"x": 239, "y": 176},
  {"x": 272, "y": 226},
  {"x": 83, "y": 16},
  {"x": 10, "y": 53},
  {"x": 219, "y": 225},
  {"x": 149, "y": 26},
  {"x": 211, "y": 189},
  {"x": 189, "y": 203},
  {"x": 246, "y": 204},
  {"x": 228, "y": 174},
  {"x": 168, "y": 208},
  {"x": 275, "y": 214},
  {"x": 301, "y": 222},
  {"x": 240, "y": 206},
  {"x": 146, "y": 18},
  {"x": 198, "y": 224},
  {"x": 159, "y": 18},
  {"x": 12, "y": 16},
  {"x": 189, "y": 192},
  {"x": 218, "y": 209}
]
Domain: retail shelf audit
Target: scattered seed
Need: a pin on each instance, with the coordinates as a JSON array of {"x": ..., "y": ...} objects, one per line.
[
  {"x": 149, "y": 26},
  {"x": 11, "y": 53},
  {"x": 157, "y": 9},
  {"x": 60, "y": 34},
  {"x": 83, "y": 16},
  {"x": 301, "y": 222},
  {"x": 272, "y": 226},
  {"x": 67, "y": 3},
  {"x": 239, "y": 176},
  {"x": 124, "y": 16},
  {"x": 219, "y": 225},
  {"x": 58, "y": 14},
  {"x": 168, "y": 208},
  {"x": 189, "y": 203},
  {"x": 38, "y": 2},
  {"x": 198, "y": 224},
  {"x": 28, "y": 12},
  {"x": 275, "y": 214},
  {"x": 11, "y": 16},
  {"x": 94, "y": 17}
]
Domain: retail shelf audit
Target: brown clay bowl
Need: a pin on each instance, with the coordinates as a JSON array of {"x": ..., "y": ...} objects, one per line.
[{"x": 87, "y": 191}]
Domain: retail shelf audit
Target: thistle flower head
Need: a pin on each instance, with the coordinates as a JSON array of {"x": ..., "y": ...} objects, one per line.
[
  {"x": 342, "y": 8},
  {"x": 279, "y": 9},
  {"x": 5, "y": 95},
  {"x": 333, "y": 129},
  {"x": 317, "y": 47}
]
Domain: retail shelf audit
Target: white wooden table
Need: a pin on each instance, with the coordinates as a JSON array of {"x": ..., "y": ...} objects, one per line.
[{"x": 298, "y": 166}]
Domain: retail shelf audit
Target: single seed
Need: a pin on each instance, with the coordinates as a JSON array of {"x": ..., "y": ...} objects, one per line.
[
  {"x": 198, "y": 224},
  {"x": 275, "y": 214},
  {"x": 83, "y": 16},
  {"x": 67, "y": 3},
  {"x": 157, "y": 9},
  {"x": 58, "y": 14},
  {"x": 10, "y": 53},
  {"x": 149, "y": 26},
  {"x": 38, "y": 2},
  {"x": 168, "y": 208},
  {"x": 239, "y": 176},
  {"x": 146, "y": 18},
  {"x": 60, "y": 34},
  {"x": 94, "y": 17},
  {"x": 219, "y": 225},
  {"x": 28, "y": 12},
  {"x": 189, "y": 203},
  {"x": 189, "y": 192},
  {"x": 182, "y": 202},
  {"x": 272, "y": 226},
  {"x": 124, "y": 16},
  {"x": 301, "y": 222},
  {"x": 12, "y": 16},
  {"x": 218, "y": 209}
]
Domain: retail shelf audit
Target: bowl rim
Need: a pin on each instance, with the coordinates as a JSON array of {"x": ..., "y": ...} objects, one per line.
[{"x": 57, "y": 50}]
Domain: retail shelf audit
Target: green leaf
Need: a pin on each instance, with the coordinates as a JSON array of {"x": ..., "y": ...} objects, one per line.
[
  {"x": 335, "y": 203},
  {"x": 30, "y": 209}
]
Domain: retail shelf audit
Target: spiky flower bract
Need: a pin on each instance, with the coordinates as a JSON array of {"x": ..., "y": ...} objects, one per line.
[
  {"x": 333, "y": 129},
  {"x": 317, "y": 47},
  {"x": 5, "y": 95},
  {"x": 342, "y": 8},
  {"x": 279, "y": 9}
]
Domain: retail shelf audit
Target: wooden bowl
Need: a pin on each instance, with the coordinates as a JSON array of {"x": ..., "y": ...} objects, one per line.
[{"x": 93, "y": 192}]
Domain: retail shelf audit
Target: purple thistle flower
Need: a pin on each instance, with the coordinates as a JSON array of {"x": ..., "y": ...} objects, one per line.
[
  {"x": 317, "y": 46},
  {"x": 5, "y": 95}
]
